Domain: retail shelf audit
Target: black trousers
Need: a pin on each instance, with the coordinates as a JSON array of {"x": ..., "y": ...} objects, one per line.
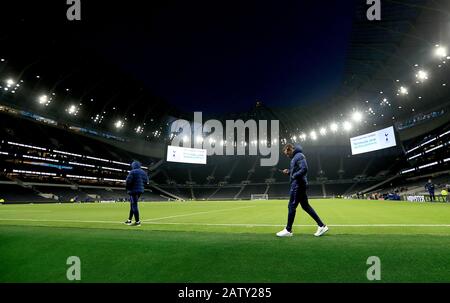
[
  {"x": 432, "y": 197},
  {"x": 134, "y": 210},
  {"x": 298, "y": 196}
]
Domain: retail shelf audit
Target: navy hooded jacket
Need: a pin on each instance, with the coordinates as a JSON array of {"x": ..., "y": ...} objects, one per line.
[
  {"x": 136, "y": 180},
  {"x": 430, "y": 187},
  {"x": 298, "y": 167}
]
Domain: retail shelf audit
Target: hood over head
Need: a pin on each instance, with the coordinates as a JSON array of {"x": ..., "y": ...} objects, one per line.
[
  {"x": 135, "y": 165},
  {"x": 298, "y": 149}
]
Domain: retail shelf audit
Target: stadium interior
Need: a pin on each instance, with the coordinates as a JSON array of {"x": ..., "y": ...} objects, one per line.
[
  {"x": 367, "y": 100},
  {"x": 47, "y": 162},
  {"x": 68, "y": 140}
]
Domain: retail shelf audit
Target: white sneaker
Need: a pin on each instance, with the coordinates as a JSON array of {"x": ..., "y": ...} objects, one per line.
[
  {"x": 284, "y": 233},
  {"x": 321, "y": 230}
]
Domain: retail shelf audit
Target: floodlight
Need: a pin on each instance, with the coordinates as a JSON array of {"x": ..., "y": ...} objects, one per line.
[
  {"x": 72, "y": 110},
  {"x": 403, "y": 90},
  {"x": 139, "y": 130},
  {"x": 334, "y": 127},
  {"x": 441, "y": 51},
  {"x": 347, "y": 126},
  {"x": 357, "y": 116},
  {"x": 43, "y": 99},
  {"x": 422, "y": 75}
]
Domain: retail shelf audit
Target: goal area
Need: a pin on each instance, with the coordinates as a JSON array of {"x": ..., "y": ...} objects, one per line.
[{"x": 259, "y": 197}]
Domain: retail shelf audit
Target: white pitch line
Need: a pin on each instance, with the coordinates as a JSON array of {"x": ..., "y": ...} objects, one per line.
[
  {"x": 301, "y": 225},
  {"x": 54, "y": 220},
  {"x": 198, "y": 213},
  {"x": 234, "y": 224}
]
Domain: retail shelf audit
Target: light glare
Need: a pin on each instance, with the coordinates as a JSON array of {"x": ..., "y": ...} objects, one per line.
[
  {"x": 441, "y": 52},
  {"x": 72, "y": 110},
  {"x": 422, "y": 75},
  {"x": 403, "y": 90},
  {"x": 43, "y": 99},
  {"x": 357, "y": 117},
  {"x": 119, "y": 124},
  {"x": 347, "y": 126},
  {"x": 334, "y": 127}
]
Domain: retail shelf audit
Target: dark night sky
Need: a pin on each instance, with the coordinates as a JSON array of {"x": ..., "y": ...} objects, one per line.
[{"x": 221, "y": 57}]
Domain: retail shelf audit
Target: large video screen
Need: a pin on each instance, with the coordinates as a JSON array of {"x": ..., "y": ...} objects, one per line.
[
  {"x": 186, "y": 155},
  {"x": 380, "y": 139}
]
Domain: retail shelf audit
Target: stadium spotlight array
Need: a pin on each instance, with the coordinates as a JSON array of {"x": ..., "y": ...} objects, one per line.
[
  {"x": 139, "y": 130},
  {"x": 403, "y": 90},
  {"x": 119, "y": 124},
  {"x": 11, "y": 85},
  {"x": 357, "y": 116},
  {"x": 334, "y": 127},
  {"x": 44, "y": 100},
  {"x": 441, "y": 51},
  {"x": 72, "y": 110},
  {"x": 10, "y": 82},
  {"x": 422, "y": 76},
  {"x": 347, "y": 126},
  {"x": 98, "y": 118},
  {"x": 385, "y": 102}
]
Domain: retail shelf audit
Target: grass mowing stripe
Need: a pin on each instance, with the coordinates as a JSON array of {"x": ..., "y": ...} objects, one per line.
[
  {"x": 198, "y": 213},
  {"x": 162, "y": 256},
  {"x": 225, "y": 243},
  {"x": 234, "y": 224},
  {"x": 56, "y": 220},
  {"x": 300, "y": 225}
]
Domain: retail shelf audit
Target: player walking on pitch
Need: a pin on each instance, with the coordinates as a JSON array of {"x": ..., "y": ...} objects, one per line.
[
  {"x": 297, "y": 172},
  {"x": 136, "y": 180}
]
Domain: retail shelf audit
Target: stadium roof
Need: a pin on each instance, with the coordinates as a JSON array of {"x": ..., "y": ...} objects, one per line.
[{"x": 103, "y": 90}]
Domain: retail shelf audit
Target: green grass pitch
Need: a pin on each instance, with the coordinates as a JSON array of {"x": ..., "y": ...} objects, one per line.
[{"x": 225, "y": 242}]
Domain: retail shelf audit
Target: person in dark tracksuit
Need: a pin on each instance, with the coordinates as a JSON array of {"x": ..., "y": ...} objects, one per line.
[
  {"x": 429, "y": 186},
  {"x": 298, "y": 184},
  {"x": 136, "y": 180}
]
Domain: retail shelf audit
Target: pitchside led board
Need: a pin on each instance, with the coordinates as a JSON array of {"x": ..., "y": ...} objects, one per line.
[
  {"x": 186, "y": 155},
  {"x": 380, "y": 139}
]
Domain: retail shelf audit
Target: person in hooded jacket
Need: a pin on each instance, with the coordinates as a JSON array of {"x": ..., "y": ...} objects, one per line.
[
  {"x": 298, "y": 185},
  {"x": 135, "y": 183}
]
